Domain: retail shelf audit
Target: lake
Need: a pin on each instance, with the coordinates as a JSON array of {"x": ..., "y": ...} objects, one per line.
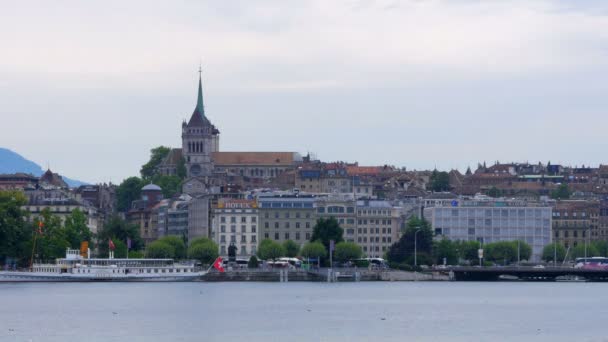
[{"x": 366, "y": 311}]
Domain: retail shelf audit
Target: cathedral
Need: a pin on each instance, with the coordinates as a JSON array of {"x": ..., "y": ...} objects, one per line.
[{"x": 207, "y": 168}]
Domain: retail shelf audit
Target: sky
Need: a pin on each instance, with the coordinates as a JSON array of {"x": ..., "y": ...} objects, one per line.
[{"x": 88, "y": 88}]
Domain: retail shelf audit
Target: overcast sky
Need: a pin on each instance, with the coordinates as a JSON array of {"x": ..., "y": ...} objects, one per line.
[{"x": 90, "y": 87}]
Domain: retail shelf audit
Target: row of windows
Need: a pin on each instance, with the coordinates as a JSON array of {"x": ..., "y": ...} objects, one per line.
[
  {"x": 233, "y": 229},
  {"x": 492, "y": 231},
  {"x": 374, "y": 230},
  {"x": 287, "y": 236},
  {"x": 478, "y": 212},
  {"x": 574, "y": 214},
  {"x": 287, "y": 215},
  {"x": 376, "y": 221},
  {"x": 287, "y": 225},
  {"x": 233, "y": 219},
  {"x": 336, "y": 210},
  {"x": 385, "y": 239},
  {"x": 253, "y": 238}
]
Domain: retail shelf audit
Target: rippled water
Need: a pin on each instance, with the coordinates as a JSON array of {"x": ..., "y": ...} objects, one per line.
[{"x": 368, "y": 311}]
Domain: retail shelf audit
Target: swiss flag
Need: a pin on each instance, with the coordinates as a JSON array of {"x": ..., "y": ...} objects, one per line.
[
  {"x": 111, "y": 244},
  {"x": 218, "y": 264}
]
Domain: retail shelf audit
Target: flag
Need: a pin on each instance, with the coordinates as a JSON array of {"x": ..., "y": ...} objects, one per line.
[
  {"x": 128, "y": 243},
  {"x": 40, "y": 225},
  {"x": 218, "y": 264},
  {"x": 111, "y": 245}
]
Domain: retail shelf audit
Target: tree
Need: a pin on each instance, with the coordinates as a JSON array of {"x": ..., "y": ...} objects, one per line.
[
  {"x": 50, "y": 242},
  {"x": 76, "y": 229},
  {"x": 127, "y": 192},
  {"x": 346, "y": 251},
  {"x": 270, "y": 250},
  {"x": 157, "y": 155},
  {"x": 447, "y": 249},
  {"x": 327, "y": 229},
  {"x": 253, "y": 262},
  {"x": 178, "y": 245},
  {"x": 440, "y": 181},
  {"x": 403, "y": 250},
  {"x": 181, "y": 168},
  {"x": 118, "y": 229},
  {"x": 170, "y": 185},
  {"x": 291, "y": 248},
  {"x": 120, "y": 248},
  {"x": 503, "y": 252},
  {"x": 579, "y": 251},
  {"x": 205, "y": 251},
  {"x": 494, "y": 192},
  {"x": 13, "y": 227},
  {"x": 159, "y": 249},
  {"x": 313, "y": 250},
  {"x": 562, "y": 192},
  {"x": 552, "y": 249},
  {"x": 467, "y": 250}
]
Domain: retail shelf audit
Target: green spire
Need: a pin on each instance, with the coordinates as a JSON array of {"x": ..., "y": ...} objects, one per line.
[{"x": 199, "y": 102}]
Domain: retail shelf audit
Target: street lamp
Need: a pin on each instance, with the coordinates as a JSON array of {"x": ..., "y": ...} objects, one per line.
[{"x": 416, "y": 247}]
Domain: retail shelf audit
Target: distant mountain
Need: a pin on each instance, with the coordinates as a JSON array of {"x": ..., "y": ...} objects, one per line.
[{"x": 11, "y": 162}]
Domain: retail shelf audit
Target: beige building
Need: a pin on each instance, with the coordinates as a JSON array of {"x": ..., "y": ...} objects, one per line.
[
  {"x": 287, "y": 217},
  {"x": 235, "y": 221},
  {"x": 575, "y": 222},
  {"x": 342, "y": 207},
  {"x": 378, "y": 226}
]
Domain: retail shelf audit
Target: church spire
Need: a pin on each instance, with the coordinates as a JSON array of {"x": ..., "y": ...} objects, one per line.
[{"x": 199, "y": 102}]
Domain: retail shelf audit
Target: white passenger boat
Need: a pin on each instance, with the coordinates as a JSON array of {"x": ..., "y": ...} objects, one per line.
[{"x": 76, "y": 268}]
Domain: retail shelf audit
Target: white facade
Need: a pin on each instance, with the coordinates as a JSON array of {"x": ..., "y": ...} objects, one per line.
[{"x": 236, "y": 222}]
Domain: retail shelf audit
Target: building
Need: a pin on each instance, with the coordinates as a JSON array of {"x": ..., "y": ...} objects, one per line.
[
  {"x": 171, "y": 218},
  {"x": 287, "y": 217},
  {"x": 342, "y": 208},
  {"x": 576, "y": 222},
  {"x": 17, "y": 181},
  {"x": 490, "y": 220},
  {"x": 378, "y": 226},
  {"x": 61, "y": 203},
  {"x": 199, "y": 218},
  {"x": 140, "y": 213},
  {"x": 200, "y": 138},
  {"x": 235, "y": 222}
]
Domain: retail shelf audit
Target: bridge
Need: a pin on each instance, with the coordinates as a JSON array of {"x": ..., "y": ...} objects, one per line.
[{"x": 525, "y": 273}]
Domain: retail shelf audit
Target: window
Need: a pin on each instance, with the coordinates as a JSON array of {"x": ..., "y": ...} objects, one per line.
[
  {"x": 307, "y": 224},
  {"x": 233, "y": 229},
  {"x": 297, "y": 224},
  {"x": 287, "y": 215},
  {"x": 232, "y": 238},
  {"x": 307, "y": 236},
  {"x": 286, "y": 224},
  {"x": 223, "y": 219},
  {"x": 223, "y": 238},
  {"x": 244, "y": 219},
  {"x": 243, "y": 229},
  {"x": 297, "y": 235},
  {"x": 266, "y": 225},
  {"x": 254, "y": 238},
  {"x": 286, "y": 236},
  {"x": 243, "y": 239},
  {"x": 276, "y": 225},
  {"x": 298, "y": 215},
  {"x": 233, "y": 219},
  {"x": 254, "y": 219},
  {"x": 276, "y": 236},
  {"x": 223, "y": 229},
  {"x": 253, "y": 229}
]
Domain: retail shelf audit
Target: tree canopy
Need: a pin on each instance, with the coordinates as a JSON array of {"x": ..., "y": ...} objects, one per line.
[
  {"x": 440, "y": 181},
  {"x": 178, "y": 245},
  {"x": 562, "y": 192},
  {"x": 270, "y": 250},
  {"x": 504, "y": 252},
  {"x": 128, "y": 191},
  {"x": 447, "y": 249},
  {"x": 203, "y": 250},
  {"x": 313, "y": 249},
  {"x": 327, "y": 229},
  {"x": 157, "y": 154},
  {"x": 160, "y": 250},
  {"x": 118, "y": 229},
  {"x": 552, "y": 249},
  {"x": 403, "y": 250},
  {"x": 346, "y": 251},
  {"x": 291, "y": 248},
  {"x": 13, "y": 226}
]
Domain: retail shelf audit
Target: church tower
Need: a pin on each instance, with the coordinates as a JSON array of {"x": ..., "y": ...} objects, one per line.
[{"x": 199, "y": 139}]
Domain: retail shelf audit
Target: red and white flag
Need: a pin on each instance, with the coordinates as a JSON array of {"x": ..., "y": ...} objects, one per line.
[
  {"x": 40, "y": 225},
  {"x": 111, "y": 244},
  {"x": 217, "y": 264}
]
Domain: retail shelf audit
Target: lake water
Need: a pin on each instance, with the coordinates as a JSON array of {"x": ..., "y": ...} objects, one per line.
[{"x": 367, "y": 311}]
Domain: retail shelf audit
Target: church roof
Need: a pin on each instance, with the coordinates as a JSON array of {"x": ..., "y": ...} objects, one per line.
[
  {"x": 254, "y": 158},
  {"x": 198, "y": 117}
]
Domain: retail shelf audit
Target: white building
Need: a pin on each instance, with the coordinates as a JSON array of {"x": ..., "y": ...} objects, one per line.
[
  {"x": 489, "y": 220},
  {"x": 235, "y": 221}
]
